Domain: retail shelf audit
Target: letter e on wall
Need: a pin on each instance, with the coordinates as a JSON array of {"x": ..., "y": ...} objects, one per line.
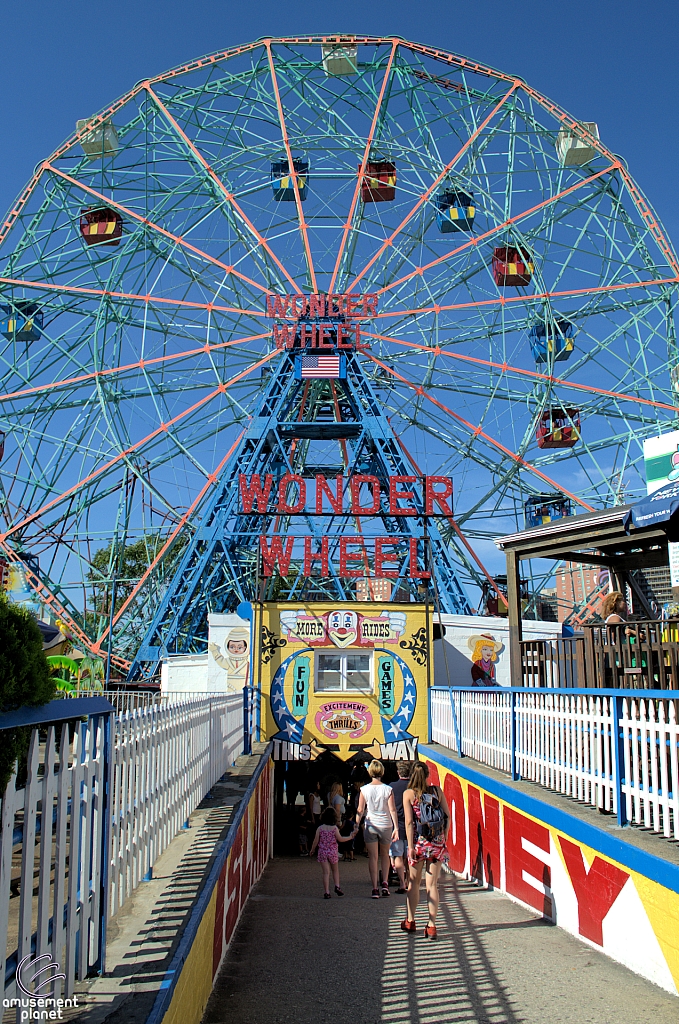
[{"x": 518, "y": 860}]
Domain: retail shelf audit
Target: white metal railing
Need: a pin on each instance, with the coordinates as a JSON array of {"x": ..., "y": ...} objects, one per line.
[
  {"x": 102, "y": 799},
  {"x": 609, "y": 748},
  {"x": 52, "y": 854},
  {"x": 165, "y": 759}
]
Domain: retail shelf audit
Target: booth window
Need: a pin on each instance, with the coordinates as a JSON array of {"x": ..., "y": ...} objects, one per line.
[{"x": 343, "y": 672}]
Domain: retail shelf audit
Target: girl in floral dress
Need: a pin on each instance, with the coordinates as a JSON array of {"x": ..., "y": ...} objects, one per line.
[
  {"x": 426, "y": 844},
  {"x": 326, "y": 839}
]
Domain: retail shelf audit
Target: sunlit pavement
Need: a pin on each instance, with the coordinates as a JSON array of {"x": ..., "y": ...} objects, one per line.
[{"x": 299, "y": 959}]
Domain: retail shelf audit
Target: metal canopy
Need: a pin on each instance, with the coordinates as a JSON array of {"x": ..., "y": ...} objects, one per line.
[{"x": 595, "y": 538}]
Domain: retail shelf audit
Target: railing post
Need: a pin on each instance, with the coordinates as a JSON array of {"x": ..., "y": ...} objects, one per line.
[
  {"x": 247, "y": 747},
  {"x": 516, "y": 775},
  {"x": 619, "y": 758}
]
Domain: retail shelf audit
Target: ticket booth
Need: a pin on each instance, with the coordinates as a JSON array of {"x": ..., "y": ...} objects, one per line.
[{"x": 344, "y": 677}]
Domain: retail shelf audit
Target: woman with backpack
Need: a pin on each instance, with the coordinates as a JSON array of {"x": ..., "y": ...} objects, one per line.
[{"x": 427, "y": 818}]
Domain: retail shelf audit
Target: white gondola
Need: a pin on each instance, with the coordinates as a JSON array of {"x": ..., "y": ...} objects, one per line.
[
  {"x": 101, "y": 141},
  {"x": 572, "y": 150},
  {"x": 340, "y": 58}
]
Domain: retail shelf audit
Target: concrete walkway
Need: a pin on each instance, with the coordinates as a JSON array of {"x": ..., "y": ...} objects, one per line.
[{"x": 297, "y": 959}]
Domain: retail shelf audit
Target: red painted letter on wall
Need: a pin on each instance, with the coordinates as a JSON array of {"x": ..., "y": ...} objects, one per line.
[
  {"x": 596, "y": 890},
  {"x": 484, "y": 837},
  {"x": 218, "y": 941},
  {"x": 518, "y": 860},
  {"x": 457, "y": 837},
  {"x": 233, "y": 885}
]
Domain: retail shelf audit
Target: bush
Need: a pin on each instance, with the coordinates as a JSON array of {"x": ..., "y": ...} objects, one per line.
[{"x": 24, "y": 678}]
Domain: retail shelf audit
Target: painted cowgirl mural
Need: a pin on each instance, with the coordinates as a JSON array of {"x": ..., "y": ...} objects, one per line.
[{"x": 485, "y": 649}]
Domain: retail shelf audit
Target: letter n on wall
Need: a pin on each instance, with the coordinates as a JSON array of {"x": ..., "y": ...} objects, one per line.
[
  {"x": 484, "y": 837},
  {"x": 596, "y": 889}
]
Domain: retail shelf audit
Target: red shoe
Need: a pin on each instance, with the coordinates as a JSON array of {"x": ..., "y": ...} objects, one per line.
[
  {"x": 430, "y": 932},
  {"x": 409, "y": 926}
]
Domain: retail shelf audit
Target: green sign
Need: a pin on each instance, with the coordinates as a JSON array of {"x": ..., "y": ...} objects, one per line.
[
  {"x": 385, "y": 685},
  {"x": 300, "y": 687}
]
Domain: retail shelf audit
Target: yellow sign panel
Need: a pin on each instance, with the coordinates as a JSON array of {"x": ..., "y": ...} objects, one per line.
[{"x": 345, "y": 677}]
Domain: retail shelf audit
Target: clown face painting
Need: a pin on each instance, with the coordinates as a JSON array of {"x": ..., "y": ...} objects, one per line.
[{"x": 343, "y": 628}]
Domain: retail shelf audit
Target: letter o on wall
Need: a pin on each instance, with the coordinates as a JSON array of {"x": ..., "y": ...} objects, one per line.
[{"x": 457, "y": 837}]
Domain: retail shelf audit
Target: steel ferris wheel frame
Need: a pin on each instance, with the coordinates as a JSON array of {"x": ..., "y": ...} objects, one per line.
[{"x": 125, "y": 407}]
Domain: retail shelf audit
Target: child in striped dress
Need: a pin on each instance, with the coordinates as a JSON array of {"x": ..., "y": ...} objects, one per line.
[{"x": 326, "y": 839}]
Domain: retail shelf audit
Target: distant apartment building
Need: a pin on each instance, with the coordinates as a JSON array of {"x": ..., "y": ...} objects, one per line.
[
  {"x": 373, "y": 588},
  {"x": 574, "y": 585}
]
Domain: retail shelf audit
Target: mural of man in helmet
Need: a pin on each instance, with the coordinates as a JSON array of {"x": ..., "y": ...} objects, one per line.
[{"x": 234, "y": 657}]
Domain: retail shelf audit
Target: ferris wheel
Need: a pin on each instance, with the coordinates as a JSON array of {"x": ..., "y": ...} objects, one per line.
[{"x": 521, "y": 337}]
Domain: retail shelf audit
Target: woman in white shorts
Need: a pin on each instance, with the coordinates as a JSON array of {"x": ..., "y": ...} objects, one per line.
[{"x": 377, "y": 810}]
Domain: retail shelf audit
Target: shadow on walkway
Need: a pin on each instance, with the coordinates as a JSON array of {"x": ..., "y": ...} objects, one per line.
[{"x": 297, "y": 959}]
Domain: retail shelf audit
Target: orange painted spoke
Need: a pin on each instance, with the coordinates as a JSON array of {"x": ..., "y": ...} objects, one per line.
[
  {"x": 211, "y": 481},
  {"x": 364, "y": 161},
  {"x": 478, "y": 432},
  {"x": 162, "y": 429},
  {"x": 149, "y": 300},
  {"x": 69, "y": 381},
  {"x": 503, "y": 300},
  {"x": 45, "y": 594},
  {"x": 425, "y": 196},
  {"x": 532, "y": 374},
  {"x": 225, "y": 192},
  {"x": 291, "y": 168},
  {"x": 107, "y": 201},
  {"x": 472, "y": 242}
]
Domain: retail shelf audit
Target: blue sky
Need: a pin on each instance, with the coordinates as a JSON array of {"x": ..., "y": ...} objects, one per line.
[{"x": 610, "y": 61}]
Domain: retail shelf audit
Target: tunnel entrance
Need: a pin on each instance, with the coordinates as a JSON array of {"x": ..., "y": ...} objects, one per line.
[{"x": 299, "y": 786}]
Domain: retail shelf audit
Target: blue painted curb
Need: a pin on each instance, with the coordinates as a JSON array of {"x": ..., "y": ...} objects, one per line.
[
  {"x": 172, "y": 974},
  {"x": 658, "y": 870}
]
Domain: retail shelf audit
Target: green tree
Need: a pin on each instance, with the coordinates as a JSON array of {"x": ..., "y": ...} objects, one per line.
[
  {"x": 24, "y": 678},
  {"x": 126, "y": 565}
]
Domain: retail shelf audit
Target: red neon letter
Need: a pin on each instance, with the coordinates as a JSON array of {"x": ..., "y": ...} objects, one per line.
[
  {"x": 457, "y": 837},
  {"x": 438, "y": 496},
  {"x": 383, "y": 558},
  {"x": 369, "y": 305},
  {"x": 249, "y": 493},
  {"x": 518, "y": 860},
  {"x": 596, "y": 889},
  {"x": 484, "y": 837},
  {"x": 284, "y": 335},
  {"x": 344, "y": 331},
  {"x": 316, "y": 305},
  {"x": 395, "y": 495},
  {"x": 277, "y": 305},
  {"x": 322, "y": 487},
  {"x": 307, "y": 333},
  {"x": 298, "y": 305},
  {"x": 313, "y": 556},
  {"x": 276, "y": 554},
  {"x": 347, "y": 556},
  {"x": 287, "y": 481},
  {"x": 356, "y": 482},
  {"x": 414, "y": 571}
]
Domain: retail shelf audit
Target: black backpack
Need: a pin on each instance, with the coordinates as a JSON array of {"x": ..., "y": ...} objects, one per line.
[{"x": 433, "y": 819}]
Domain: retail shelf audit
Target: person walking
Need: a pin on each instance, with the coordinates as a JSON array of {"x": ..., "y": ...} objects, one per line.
[
  {"x": 427, "y": 819},
  {"x": 398, "y": 848},
  {"x": 377, "y": 810},
  {"x": 337, "y": 802},
  {"x": 326, "y": 839}
]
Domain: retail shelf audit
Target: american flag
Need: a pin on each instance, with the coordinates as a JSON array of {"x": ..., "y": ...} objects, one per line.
[{"x": 319, "y": 366}]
